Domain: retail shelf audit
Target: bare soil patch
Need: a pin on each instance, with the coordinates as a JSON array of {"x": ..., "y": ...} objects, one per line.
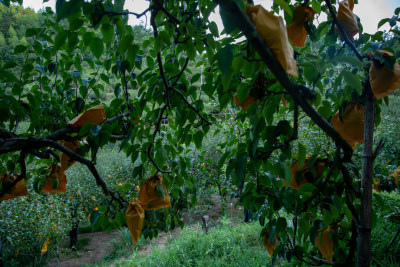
[{"x": 99, "y": 245}]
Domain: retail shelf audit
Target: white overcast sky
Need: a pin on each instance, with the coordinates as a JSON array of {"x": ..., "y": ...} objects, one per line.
[{"x": 369, "y": 11}]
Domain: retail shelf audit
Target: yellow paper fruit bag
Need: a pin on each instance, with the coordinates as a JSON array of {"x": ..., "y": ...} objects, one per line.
[
  {"x": 17, "y": 190},
  {"x": 64, "y": 158},
  {"x": 395, "y": 175},
  {"x": 148, "y": 196},
  {"x": 296, "y": 31},
  {"x": 352, "y": 126},
  {"x": 375, "y": 186},
  {"x": 307, "y": 176},
  {"x": 347, "y": 19},
  {"x": 284, "y": 101},
  {"x": 384, "y": 80},
  {"x": 268, "y": 245},
  {"x": 95, "y": 115},
  {"x": 135, "y": 219},
  {"x": 273, "y": 31},
  {"x": 53, "y": 186},
  {"x": 325, "y": 245},
  {"x": 246, "y": 102}
]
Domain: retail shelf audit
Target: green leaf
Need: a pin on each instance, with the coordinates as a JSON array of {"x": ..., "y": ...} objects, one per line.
[
  {"x": 198, "y": 139},
  {"x": 287, "y": 173},
  {"x": 240, "y": 166},
  {"x": 159, "y": 190},
  {"x": 132, "y": 52},
  {"x": 125, "y": 43},
  {"x": 229, "y": 23},
  {"x": 7, "y": 76},
  {"x": 97, "y": 47},
  {"x": 161, "y": 156},
  {"x": 225, "y": 57},
  {"x": 108, "y": 32},
  {"x": 213, "y": 29},
  {"x": 310, "y": 72},
  {"x": 120, "y": 218},
  {"x": 19, "y": 49},
  {"x": 72, "y": 41},
  {"x": 316, "y": 6},
  {"x": 60, "y": 39},
  {"x": 243, "y": 92},
  {"x": 76, "y": 24},
  {"x": 383, "y": 21},
  {"x": 352, "y": 80},
  {"x": 307, "y": 188},
  {"x": 285, "y": 6},
  {"x": 302, "y": 156}
]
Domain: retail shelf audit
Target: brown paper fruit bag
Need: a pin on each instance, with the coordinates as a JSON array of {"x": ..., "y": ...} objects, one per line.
[
  {"x": 347, "y": 19},
  {"x": 268, "y": 245},
  {"x": 384, "y": 80},
  {"x": 17, "y": 190},
  {"x": 150, "y": 192},
  {"x": 135, "y": 219},
  {"x": 307, "y": 176},
  {"x": 352, "y": 126},
  {"x": 296, "y": 31},
  {"x": 273, "y": 31},
  {"x": 246, "y": 102},
  {"x": 95, "y": 115},
  {"x": 64, "y": 158},
  {"x": 325, "y": 245},
  {"x": 56, "y": 182}
]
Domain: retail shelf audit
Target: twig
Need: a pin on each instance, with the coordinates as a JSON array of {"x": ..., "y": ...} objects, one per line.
[
  {"x": 156, "y": 130},
  {"x": 126, "y": 91},
  {"x": 138, "y": 15},
  {"x": 191, "y": 106},
  {"x": 378, "y": 148},
  {"x": 159, "y": 60},
  {"x": 322, "y": 262},
  {"x": 180, "y": 73},
  {"x": 392, "y": 240}
]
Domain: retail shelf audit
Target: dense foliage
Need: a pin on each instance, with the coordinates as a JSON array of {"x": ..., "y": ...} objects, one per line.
[{"x": 166, "y": 90}]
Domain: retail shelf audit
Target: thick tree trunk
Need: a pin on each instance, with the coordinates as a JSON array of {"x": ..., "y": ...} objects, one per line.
[{"x": 364, "y": 237}]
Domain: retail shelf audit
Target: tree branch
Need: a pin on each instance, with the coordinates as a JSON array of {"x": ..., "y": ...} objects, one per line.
[
  {"x": 342, "y": 32},
  {"x": 159, "y": 60},
  {"x": 23, "y": 144},
  {"x": 248, "y": 29}
]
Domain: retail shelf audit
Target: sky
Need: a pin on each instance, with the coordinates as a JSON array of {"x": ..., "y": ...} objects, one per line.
[{"x": 369, "y": 11}]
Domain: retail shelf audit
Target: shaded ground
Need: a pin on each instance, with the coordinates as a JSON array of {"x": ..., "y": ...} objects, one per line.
[
  {"x": 99, "y": 244},
  {"x": 98, "y": 247}
]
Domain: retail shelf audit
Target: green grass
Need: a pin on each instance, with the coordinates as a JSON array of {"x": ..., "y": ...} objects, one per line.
[{"x": 223, "y": 246}]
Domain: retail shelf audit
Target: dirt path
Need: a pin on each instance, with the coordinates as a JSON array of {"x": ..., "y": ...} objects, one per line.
[
  {"x": 99, "y": 244},
  {"x": 98, "y": 247}
]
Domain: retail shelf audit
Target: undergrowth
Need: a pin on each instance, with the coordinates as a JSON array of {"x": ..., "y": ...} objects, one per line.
[{"x": 222, "y": 246}]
